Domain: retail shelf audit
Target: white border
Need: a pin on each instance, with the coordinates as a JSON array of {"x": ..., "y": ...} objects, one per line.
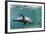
[{"x": 29, "y": 29}]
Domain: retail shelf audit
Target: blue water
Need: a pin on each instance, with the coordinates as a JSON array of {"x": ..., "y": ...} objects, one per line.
[{"x": 31, "y": 12}]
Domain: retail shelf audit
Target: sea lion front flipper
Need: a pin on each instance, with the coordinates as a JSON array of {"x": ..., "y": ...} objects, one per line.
[{"x": 24, "y": 23}]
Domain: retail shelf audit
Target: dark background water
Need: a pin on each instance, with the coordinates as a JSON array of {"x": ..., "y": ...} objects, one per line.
[{"x": 31, "y": 12}]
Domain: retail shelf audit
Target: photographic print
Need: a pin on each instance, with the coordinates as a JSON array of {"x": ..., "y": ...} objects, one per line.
[{"x": 25, "y": 16}]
